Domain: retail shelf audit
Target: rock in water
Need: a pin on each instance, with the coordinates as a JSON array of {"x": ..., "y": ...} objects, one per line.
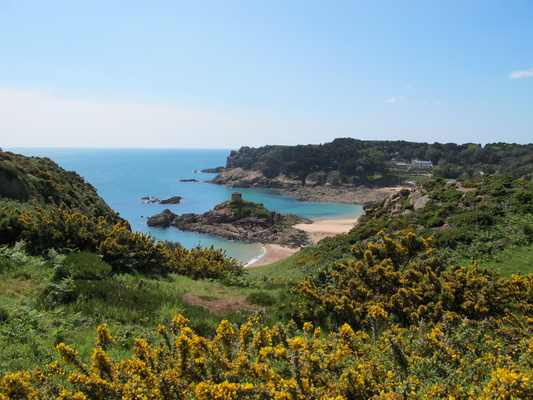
[
  {"x": 162, "y": 220},
  {"x": 238, "y": 220}
]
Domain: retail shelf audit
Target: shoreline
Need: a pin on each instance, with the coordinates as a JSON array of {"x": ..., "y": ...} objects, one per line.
[
  {"x": 317, "y": 230},
  {"x": 271, "y": 253},
  {"x": 322, "y": 228}
]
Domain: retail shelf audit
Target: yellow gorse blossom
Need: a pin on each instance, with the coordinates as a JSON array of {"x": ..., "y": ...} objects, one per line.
[{"x": 255, "y": 362}]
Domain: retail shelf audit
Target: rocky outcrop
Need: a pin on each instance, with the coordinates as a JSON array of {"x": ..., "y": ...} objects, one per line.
[
  {"x": 162, "y": 220},
  {"x": 310, "y": 191},
  {"x": 231, "y": 221},
  {"x": 152, "y": 200},
  {"x": 216, "y": 170},
  {"x": 12, "y": 186},
  {"x": 172, "y": 200},
  {"x": 238, "y": 177},
  {"x": 405, "y": 200}
]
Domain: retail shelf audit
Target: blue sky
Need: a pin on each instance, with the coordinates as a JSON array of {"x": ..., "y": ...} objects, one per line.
[{"x": 225, "y": 74}]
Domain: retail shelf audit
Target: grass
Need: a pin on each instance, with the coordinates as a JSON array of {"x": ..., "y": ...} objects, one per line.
[
  {"x": 277, "y": 271},
  {"x": 34, "y": 320},
  {"x": 513, "y": 260},
  {"x": 132, "y": 305}
]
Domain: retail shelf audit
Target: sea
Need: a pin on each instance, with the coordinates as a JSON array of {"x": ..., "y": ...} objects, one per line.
[{"x": 124, "y": 176}]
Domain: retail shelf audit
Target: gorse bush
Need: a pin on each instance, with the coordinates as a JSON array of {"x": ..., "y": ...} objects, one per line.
[
  {"x": 401, "y": 279},
  {"x": 202, "y": 262},
  {"x": 61, "y": 227},
  {"x": 446, "y": 360}
]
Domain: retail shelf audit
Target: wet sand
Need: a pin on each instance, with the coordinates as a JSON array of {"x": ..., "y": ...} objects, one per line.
[
  {"x": 318, "y": 230},
  {"x": 272, "y": 253}
]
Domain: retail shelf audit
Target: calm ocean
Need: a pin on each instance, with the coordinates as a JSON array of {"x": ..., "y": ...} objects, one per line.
[{"x": 124, "y": 176}]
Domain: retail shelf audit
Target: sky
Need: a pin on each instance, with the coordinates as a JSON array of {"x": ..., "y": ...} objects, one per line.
[{"x": 232, "y": 73}]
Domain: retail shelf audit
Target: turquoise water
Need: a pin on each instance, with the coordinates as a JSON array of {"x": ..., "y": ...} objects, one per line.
[{"x": 124, "y": 176}]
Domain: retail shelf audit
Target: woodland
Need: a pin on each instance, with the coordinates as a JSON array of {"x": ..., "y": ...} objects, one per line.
[
  {"x": 360, "y": 162},
  {"x": 429, "y": 296}
]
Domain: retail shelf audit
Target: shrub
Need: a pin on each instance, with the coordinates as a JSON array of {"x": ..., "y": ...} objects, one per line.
[
  {"x": 264, "y": 299},
  {"x": 434, "y": 221},
  {"x": 83, "y": 265},
  {"x": 4, "y": 314}
]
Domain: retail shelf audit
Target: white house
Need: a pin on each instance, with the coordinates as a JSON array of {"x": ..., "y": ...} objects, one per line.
[{"x": 417, "y": 164}]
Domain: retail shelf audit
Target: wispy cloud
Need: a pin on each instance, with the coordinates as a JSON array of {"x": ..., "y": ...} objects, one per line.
[
  {"x": 38, "y": 118},
  {"x": 392, "y": 100},
  {"x": 521, "y": 74}
]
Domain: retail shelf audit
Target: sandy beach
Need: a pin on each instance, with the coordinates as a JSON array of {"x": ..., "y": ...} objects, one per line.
[
  {"x": 322, "y": 228},
  {"x": 318, "y": 230},
  {"x": 273, "y": 253}
]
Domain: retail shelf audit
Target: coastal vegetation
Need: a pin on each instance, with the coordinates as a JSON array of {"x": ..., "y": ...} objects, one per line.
[
  {"x": 348, "y": 161},
  {"x": 429, "y": 296}
]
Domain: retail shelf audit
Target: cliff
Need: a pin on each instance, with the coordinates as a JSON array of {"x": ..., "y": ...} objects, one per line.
[
  {"x": 41, "y": 179},
  {"x": 33, "y": 186}
]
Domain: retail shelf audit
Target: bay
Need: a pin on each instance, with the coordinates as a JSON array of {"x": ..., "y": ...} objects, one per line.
[{"x": 123, "y": 176}]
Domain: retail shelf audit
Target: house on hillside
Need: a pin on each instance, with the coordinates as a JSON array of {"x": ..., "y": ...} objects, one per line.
[{"x": 415, "y": 164}]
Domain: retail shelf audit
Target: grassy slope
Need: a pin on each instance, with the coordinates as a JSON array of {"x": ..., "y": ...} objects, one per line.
[
  {"x": 511, "y": 261},
  {"x": 29, "y": 328}
]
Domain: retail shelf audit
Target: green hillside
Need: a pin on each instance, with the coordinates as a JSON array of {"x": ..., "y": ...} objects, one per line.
[
  {"x": 365, "y": 162},
  {"x": 430, "y": 296}
]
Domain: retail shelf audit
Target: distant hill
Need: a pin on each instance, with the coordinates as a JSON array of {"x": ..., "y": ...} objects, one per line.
[{"x": 365, "y": 162}]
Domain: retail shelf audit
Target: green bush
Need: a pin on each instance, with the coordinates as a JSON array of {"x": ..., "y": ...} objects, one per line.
[
  {"x": 264, "y": 299},
  {"x": 473, "y": 219},
  {"x": 57, "y": 293},
  {"x": 82, "y": 265},
  {"x": 4, "y": 263},
  {"x": 4, "y": 314},
  {"x": 434, "y": 222}
]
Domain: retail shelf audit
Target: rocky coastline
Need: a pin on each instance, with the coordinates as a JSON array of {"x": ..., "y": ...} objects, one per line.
[
  {"x": 239, "y": 220},
  {"x": 305, "y": 191}
]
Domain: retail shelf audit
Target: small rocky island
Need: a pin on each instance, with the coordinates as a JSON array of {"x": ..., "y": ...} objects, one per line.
[
  {"x": 238, "y": 219},
  {"x": 155, "y": 200}
]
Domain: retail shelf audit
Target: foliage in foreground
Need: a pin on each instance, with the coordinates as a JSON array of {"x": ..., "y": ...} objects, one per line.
[
  {"x": 459, "y": 359},
  {"x": 48, "y": 300},
  {"x": 422, "y": 330},
  {"x": 401, "y": 278},
  {"x": 63, "y": 228}
]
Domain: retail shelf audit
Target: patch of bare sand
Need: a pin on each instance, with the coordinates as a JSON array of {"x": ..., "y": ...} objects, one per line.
[
  {"x": 322, "y": 228},
  {"x": 318, "y": 230}
]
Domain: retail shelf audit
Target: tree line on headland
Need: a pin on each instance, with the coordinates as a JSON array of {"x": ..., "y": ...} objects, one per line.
[
  {"x": 364, "y": 162},
  {"x": 429, "y": 296}
]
